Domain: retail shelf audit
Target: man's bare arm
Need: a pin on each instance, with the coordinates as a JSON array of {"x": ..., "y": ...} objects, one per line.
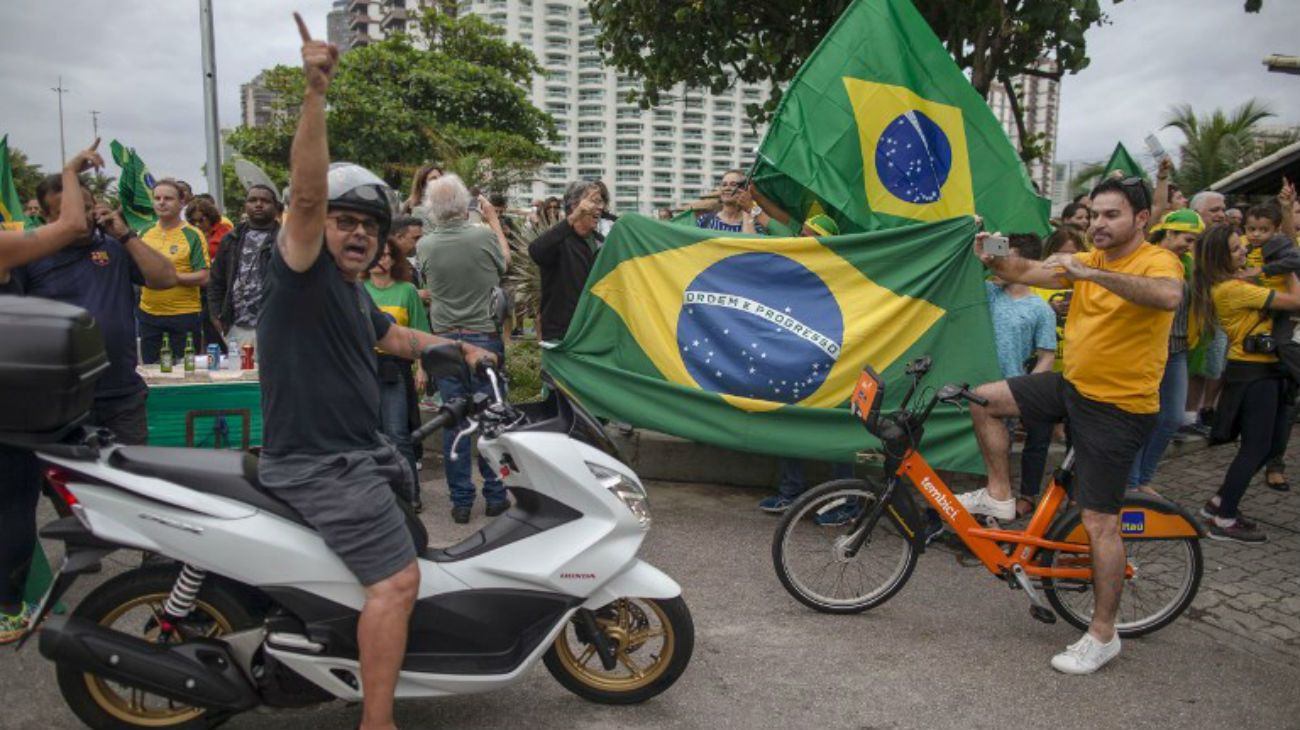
[
  {"x": 1144, "y": 291},
  {"x": 158, "y": 272},
  {"x": 309, "y": 158},
  {"x": 1017, "y": 270},
  {"x": 21, "y": 247},
  {"x": 409, "y": 343}
]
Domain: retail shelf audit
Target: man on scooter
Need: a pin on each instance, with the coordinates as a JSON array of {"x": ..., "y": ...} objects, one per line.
[{"x": 323, "y": 452}]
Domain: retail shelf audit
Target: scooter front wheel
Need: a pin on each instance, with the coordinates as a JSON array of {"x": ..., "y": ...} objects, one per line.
[{"x": 653, "y": 637}]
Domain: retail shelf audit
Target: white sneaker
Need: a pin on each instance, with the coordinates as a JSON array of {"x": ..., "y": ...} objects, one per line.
[
  {"x": 979, "y": 502},
  {"x": 1086, "y": 655}
]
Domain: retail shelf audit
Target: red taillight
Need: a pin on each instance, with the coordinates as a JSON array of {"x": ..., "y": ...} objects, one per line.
[{"x": 58, "y": 478}]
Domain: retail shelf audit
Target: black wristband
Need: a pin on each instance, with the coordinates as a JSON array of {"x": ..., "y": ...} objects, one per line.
[{"x": 130, "y": 233}]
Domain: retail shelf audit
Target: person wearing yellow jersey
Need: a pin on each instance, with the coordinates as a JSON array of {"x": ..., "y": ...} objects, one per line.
[
  {"x": 1271, "y": 257},
  {"x": 1125, "y": 295},
  {"x": 177, "y": 311},
  {"x": 1254, "y": 401}
]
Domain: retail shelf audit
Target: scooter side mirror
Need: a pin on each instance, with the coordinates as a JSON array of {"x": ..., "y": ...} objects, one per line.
[{"x": 445, "y": 361}]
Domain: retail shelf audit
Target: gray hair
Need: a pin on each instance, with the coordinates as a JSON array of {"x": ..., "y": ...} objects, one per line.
[
  {"x": 1202, "y": 199},
  {"x": 576, "y": 191},
  {"x": 446, "y": 199}
]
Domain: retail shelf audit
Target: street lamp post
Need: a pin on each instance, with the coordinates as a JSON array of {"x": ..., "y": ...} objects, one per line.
[
  {"x": 63, "y": 148},
  {"x": 210, "y": 124}
]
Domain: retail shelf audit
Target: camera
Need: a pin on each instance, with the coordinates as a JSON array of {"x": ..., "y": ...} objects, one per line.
[{"x": 1259, "y": 344}]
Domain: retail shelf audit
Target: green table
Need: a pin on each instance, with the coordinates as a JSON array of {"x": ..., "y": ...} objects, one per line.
[{"x": 205, "y": 415}]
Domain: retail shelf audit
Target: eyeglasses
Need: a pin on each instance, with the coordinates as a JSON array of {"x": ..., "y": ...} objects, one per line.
[{"x": 348, "y": 224}]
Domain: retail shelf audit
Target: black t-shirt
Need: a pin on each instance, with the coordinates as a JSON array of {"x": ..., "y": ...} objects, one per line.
[
  {"x": 564, "y": 259},
  {"x": 316, "y": 360},
  {"x": 97, "y": 276}
]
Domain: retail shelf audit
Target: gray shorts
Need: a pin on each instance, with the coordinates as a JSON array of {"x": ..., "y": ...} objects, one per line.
[{"x": 348, "y": 497}]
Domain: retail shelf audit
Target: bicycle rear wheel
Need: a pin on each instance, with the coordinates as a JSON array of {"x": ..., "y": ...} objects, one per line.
[
  {"x": 809, "y": 549},
  {"x": 1167, "y": 574}
]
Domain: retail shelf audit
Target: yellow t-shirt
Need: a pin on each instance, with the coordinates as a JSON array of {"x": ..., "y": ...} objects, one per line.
[
  {"x": 1255, "y": 260},
  {"x": 1241, "y": 308},
  {"x": 187, "y": 249},
  {"x": 1118, "y": 349}
]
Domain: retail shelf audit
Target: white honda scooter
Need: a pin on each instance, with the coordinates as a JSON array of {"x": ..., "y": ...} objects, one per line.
[{"x": 257, "y": 611}]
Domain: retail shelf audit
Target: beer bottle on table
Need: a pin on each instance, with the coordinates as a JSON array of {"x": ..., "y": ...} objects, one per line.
[
  {"x": 165, "y": 355},
  {"x": 189, "y": 352}
]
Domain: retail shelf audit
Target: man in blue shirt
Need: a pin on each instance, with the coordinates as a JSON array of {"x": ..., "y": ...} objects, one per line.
[
  {"x": 96, "y": 273},
  {"x": 1024, "y": 328}
]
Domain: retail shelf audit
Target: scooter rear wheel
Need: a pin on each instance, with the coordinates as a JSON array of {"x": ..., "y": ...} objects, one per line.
[
  {"x": 655, "y": 638},
  {"x": 130, "y": 603}
]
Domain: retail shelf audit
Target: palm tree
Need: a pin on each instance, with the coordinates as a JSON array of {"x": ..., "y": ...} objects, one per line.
[{"x": 1217, "y": 144}]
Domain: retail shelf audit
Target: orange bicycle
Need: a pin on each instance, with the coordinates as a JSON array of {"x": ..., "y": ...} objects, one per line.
[{"x": 870, "y": 553}]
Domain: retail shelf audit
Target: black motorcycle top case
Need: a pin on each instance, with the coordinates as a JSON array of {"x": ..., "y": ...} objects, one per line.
[{"x": 50, "y": 356}]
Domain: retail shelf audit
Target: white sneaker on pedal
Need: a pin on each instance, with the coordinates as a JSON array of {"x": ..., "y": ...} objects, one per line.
[
  {"x": 1086, "y": 655},
  {"x": 979, "y": 502}
]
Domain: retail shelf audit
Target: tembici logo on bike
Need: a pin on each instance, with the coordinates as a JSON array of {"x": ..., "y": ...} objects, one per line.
[{"x": 939, "y": 498}]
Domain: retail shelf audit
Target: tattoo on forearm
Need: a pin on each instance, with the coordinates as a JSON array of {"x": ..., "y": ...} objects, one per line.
[
  {"x": 29, "y": 233},
  {"x": 415, "y": 345}
]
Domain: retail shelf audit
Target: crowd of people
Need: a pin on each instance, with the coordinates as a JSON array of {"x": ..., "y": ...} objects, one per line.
[{"x": 1143, "y": 316}]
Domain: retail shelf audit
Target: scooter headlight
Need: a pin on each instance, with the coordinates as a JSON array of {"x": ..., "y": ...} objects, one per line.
[{"x": 628, "y": 491}]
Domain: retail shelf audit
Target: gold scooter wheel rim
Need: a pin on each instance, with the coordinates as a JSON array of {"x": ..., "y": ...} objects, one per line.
[
  {"x": 131, "y": 708},
  {"x": 644, "y": 652}
]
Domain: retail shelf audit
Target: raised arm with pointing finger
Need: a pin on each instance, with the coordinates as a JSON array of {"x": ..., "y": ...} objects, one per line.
[{"x": 309, "y": 157}]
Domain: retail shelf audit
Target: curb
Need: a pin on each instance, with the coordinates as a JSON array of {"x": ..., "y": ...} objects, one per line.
[{"x": 663, "y": 458}]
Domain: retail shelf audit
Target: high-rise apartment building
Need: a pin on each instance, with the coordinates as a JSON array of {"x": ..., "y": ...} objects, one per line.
[
  {"x": 338, "y": 26},
  {"x": 648, "y": 159},
  {"x": 1040, "y": 99},
  {"x": 256, "y": 102}
]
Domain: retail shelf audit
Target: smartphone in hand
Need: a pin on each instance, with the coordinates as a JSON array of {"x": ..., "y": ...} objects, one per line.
[{"x": 997, "y": 246}]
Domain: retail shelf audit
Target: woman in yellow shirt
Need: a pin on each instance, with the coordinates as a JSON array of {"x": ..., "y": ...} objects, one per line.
[{"x": 1253, "y": 404}]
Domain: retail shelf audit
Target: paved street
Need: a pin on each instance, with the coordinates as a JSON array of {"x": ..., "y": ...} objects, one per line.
[{"x": 954, "y": 648}]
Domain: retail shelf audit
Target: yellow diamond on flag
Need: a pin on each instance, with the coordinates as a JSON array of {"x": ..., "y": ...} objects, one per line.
[
  {"x": 914, "y": 157},
  {"x": 719, "y": 314}
]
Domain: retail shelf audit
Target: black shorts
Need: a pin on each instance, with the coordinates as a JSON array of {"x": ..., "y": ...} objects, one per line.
[{"x": 1106, "y": 437}]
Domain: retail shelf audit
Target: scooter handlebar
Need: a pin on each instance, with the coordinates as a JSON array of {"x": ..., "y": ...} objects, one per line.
[{"x": 450, "y": 413}]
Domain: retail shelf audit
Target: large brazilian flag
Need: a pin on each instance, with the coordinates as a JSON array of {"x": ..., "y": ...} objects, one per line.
[
  {"x": 755, "y": 343},
  {"x": 883, "y": 129}
]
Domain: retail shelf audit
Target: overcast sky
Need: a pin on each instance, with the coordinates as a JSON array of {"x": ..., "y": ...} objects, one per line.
[{"x": 139, "y": 64}]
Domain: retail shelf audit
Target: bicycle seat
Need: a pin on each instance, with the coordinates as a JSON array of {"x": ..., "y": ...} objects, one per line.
[{"x": 229, "y": 474}]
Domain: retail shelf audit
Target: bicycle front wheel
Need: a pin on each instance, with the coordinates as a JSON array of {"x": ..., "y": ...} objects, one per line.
[
  {"x": 1166, "y": 576},
  {"x": 814, "y": 556}
]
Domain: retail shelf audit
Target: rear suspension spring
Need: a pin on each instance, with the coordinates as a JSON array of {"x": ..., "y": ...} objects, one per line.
[{"x": 184, "y": 593}]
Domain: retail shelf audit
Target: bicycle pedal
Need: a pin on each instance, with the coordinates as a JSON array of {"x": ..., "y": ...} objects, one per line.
[{"x": 1046, "y": 615}]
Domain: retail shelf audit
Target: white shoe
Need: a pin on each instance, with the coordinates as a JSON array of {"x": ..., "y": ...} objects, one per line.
[
  {"x": 1086, "y": 655},
  {"x": 979, "y": 502}
]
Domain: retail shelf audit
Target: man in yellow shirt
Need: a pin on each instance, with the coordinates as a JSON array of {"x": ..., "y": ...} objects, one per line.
[
  {"x": 176, "y": 311},
  {"x": 1125, "y": 295}
]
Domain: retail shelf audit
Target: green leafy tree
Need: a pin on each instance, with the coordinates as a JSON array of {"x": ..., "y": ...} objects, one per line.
[
  {"x": 394, "y": 106},
  {"x": 26, "y": 175},
  {"x": 711, "y": 44},
  {"x": 1218, "y": 143}
]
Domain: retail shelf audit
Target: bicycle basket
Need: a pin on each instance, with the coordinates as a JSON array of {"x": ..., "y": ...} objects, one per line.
[{"x": 867, "y": 395}]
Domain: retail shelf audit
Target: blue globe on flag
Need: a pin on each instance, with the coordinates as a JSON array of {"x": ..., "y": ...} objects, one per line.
[
  {"x": 759, "y": 325},
  {"x": 913, "y": 158}
]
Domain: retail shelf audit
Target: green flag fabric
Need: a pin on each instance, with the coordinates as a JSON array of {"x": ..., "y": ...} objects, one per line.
[
  {"x": 684, "y": 218},
  {"x": 134, "y": 187},
  {"x": 883, "y": 129},
  {"x": 11, "y": 206},
  {"x": 1121, "y": 160},
  {"x": 755, "y": 343}
]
